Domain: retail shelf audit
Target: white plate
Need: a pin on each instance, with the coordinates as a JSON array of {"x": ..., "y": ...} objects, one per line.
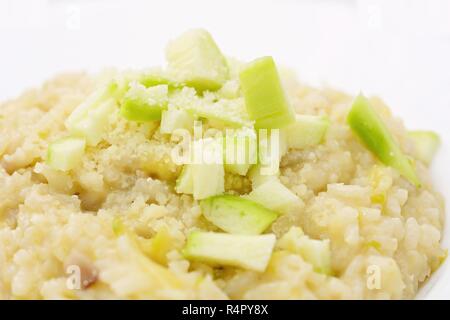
[{"x": 396, "y": 49}]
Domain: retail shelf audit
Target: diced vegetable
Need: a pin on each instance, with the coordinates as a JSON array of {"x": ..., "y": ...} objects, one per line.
[
  {"x": 197, "y": 61},
  {"x": 204, "y": 176},
  {"x": 185, "y": 182},
  {"x": 239, "y": 169},
  {"x": 366, "y": 123},
  {"x": 144, "y": 104},
  {"x": 65, "y": 154},
  {"x": 306, "y": 131},
  {"x": 426, "y": 144},
  {"x": 90, "y": 118},
  {"x": 236, "y": 215},
  {"x": 245, "y": 251},
  {"x": 265, "y": 98},
  {"x": 94, "y": 124},
  {"x": 174, "y": 119},
  {"x": 103, "y": 93},
  {"x": 258, "y": 178},
  {"x": 240, "y": 151},
  {"x": 316, "y": 252},
  {"x": 273, "y": 195},
  {"x": 149, "y": 78},
  {"x": 208, "y": 180},
  {"x": 271, "y": 148},
  {"x": 208, "y": 174},
  {"x": 155, "y": 76}
]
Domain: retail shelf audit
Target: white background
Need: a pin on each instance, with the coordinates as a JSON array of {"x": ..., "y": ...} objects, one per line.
[{"x": 398, "y": 49}]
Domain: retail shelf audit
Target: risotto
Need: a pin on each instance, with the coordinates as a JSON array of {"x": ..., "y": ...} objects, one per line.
[{"x": 331, "y": 199}]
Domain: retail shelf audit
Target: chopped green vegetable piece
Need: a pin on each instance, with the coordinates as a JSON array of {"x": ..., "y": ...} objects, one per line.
[
  {"x": 201, "y": 180},
  {"x": 306, "y": 131},
  {"x": 272, "y": 145},
  {"x": 203, "y": 175},
  {"x": 197, "y": 61},
  {"x": 144, "y": 104},
  {"x": 426, "y": 144},
  {"x": 65, "y": 154},
  {"x": 149, "y": 78},
  {"x": 90, "y": 118},
  {"x": 239, "y": 169},
  {"x": 208, "y": 180},
  {"x": 174, "y": 119},
  {"x": 155, "y": 76},
  {"x": 265, "y": 98},
  {"x": 366, "y": 123},
  {"x": 315, "y": 252},
  {"x": 273, "y": 195},
  {"x": 240, "y": 151},
  {"x": 185, "y": 181},
  {"x": 236, "y": 215},
  {"x": 94, "y": 123},
  {"x": 100, "y": 95},
  {"x": 208, "y": 173},
  {"x": 258, "y": 178},
  {"x": 245, "y": 251}
]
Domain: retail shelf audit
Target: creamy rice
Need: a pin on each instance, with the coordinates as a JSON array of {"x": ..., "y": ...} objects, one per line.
[{"x": 50, "y": 219}]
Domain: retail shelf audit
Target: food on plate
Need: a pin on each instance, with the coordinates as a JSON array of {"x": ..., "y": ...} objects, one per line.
[{"x": 212, "y": 178}]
